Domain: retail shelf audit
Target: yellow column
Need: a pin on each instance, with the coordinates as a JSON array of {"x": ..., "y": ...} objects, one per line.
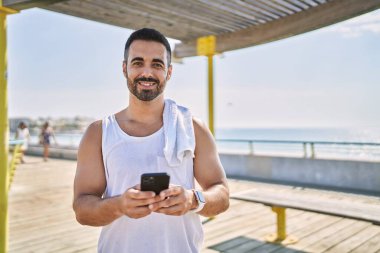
[
  {"x": 280, "y": 236},
  {"x": 4, "y": 131},
  {"x": 281, "y": 222},
  {"x": 206, "y": 46}
]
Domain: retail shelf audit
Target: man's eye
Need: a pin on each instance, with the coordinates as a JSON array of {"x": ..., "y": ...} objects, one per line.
[
  {"x": 157, "y": 65},
  {"x": 137, "y": 63}
]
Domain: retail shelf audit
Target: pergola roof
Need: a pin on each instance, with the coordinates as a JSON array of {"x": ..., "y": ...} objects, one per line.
[{"x": 235, "y": 23}]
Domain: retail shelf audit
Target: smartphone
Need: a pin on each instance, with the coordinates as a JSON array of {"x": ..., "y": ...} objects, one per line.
[{"x": 155, "y": 182}]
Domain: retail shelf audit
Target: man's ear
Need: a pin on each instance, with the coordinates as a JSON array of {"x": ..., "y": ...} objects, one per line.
[
  {"x": 125, "y": 69},
  {"x": 169, "y": 74}
]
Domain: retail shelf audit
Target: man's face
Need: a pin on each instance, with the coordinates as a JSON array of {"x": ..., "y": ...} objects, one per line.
[{"x": 146, "y": 69}]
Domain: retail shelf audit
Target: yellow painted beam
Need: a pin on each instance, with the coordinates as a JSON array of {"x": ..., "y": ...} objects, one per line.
[
  {"x": 206, "y": 46},
  {"x": 4, "y": 130},
  {"x": 4, "y": 135}
]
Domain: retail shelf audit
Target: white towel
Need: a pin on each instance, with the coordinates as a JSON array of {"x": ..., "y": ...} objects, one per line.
[{"x": 178, "y": 132}]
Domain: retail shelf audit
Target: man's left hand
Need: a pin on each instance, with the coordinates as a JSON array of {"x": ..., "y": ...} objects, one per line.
[{"x": 177, "y": 201}]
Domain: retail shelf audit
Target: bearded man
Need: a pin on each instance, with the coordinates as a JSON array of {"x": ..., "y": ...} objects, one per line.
[{"x": 152, "y": 134}]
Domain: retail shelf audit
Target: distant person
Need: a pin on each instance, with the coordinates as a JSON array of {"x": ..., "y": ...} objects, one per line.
[
  {"x": 45, "y": 138},
  {"x": 152, "y": 134},
  {"x": 22, "y": 133}
]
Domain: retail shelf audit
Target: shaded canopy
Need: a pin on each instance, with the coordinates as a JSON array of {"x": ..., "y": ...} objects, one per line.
[{"x": 235, "y": 23}]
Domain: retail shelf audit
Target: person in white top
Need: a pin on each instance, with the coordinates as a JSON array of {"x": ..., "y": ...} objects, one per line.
[
  {"x": 22, "y": 133},
  {"x": 115, "y": 151}
]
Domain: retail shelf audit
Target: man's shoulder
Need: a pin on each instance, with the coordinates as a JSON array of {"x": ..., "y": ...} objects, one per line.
[
  {"x": 93, "y": 131},
  {"x": 197, "y": 122},
  {"x": 95, "y": 126},
  {"x": 96, "y": 123},
  {"x": 200, "y": 127},
  {"x": 205, "y": 142}
]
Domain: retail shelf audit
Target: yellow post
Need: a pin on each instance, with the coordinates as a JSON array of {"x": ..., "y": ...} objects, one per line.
[
  {"x": 281, "y": 222},
  {"x": 206, "y": 46},
  {"x": 3, "y": 138},
  {"x": 280, "y": 236},
  {"x": 4, "y": 130}
]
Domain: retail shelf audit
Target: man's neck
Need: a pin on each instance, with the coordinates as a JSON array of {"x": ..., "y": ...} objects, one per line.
[{"x": 145, "y": 111}]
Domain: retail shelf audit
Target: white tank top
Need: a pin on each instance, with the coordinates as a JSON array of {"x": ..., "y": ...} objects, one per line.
[{"x": 125, "y": 158}]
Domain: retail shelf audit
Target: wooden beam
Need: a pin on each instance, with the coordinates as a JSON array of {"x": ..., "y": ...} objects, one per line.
[
  {"x": 135, "y": 18},
  {"x": 176, "y": 19},
  {"x": 27, "y": 4},
  {"x": 314, "y": 18}
]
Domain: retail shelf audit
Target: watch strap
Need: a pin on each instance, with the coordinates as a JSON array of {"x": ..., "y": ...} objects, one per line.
[{"x": 200, "y": 199}]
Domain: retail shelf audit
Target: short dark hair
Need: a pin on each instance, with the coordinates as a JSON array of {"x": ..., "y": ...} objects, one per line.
[{"x": 148, "y": 34}]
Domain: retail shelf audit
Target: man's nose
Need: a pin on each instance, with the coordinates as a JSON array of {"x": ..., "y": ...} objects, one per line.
[{"x": 147, "y": 72}]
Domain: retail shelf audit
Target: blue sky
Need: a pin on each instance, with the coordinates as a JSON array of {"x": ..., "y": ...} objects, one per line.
[{"x": 65, "y": 66}]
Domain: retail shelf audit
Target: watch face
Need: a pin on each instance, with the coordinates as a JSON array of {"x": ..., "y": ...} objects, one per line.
[{"x": 200, "y": 197}]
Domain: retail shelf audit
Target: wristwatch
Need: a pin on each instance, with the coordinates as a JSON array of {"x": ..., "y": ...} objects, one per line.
[{"x": 200, "y": 199}]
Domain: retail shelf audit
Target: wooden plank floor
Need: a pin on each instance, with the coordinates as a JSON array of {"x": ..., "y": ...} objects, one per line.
[{"x": 42, "y": 220}]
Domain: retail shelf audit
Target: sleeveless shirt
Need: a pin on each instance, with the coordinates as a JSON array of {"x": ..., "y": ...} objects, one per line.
[{"x": 125, "y": 158}]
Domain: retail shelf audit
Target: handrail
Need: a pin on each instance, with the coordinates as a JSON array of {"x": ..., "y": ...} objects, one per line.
[
  {"x": 65, "y": 147},
  {"x": 16, "y": 142},
  {"x": 305, "y": 144},
  {"x": 301, "y": 142}
]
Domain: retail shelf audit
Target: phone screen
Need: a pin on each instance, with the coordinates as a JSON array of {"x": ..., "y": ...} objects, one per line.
[{"x": 155, "y": 182}]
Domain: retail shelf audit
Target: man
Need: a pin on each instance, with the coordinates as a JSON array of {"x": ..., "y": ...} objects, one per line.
[{"x": 116, "y": 151}]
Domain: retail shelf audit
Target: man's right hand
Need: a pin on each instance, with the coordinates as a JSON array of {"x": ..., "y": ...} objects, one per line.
[{"x": 134, "y": 202}]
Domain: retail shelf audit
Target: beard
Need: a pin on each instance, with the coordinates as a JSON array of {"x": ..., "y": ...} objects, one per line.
[{"x": 146, "y": 94}]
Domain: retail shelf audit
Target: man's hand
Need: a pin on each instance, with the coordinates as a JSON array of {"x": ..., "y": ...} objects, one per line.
[
  {"x": 175, "y": 201},
  {"x": 135, "y": 203}
]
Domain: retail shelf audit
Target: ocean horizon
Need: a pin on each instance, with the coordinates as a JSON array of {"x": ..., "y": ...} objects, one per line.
[{"x": 365, "y": 135}]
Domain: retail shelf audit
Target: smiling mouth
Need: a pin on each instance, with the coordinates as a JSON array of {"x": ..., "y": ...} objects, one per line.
[{"x": 147, "y": 84}]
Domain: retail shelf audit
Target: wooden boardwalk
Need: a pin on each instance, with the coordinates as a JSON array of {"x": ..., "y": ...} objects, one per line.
[{"x": 42, "y": 220}]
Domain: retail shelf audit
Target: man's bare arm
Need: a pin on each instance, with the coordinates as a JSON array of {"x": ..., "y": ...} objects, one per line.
[
  {"x": 90, "y": 183},
  {"x": 209, "y": 172}
]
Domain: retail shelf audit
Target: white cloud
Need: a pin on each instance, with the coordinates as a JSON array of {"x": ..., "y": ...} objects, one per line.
[{"x": 367, "y": 23}]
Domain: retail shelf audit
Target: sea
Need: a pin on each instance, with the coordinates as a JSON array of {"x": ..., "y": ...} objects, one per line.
[{"x": 360, "y": 142}]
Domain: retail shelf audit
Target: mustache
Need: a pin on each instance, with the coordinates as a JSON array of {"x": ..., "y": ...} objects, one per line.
[{"x": 147, "y": 79}]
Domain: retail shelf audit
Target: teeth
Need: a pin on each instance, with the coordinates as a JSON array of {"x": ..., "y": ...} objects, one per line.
[{"x": 146, "y": 84}]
